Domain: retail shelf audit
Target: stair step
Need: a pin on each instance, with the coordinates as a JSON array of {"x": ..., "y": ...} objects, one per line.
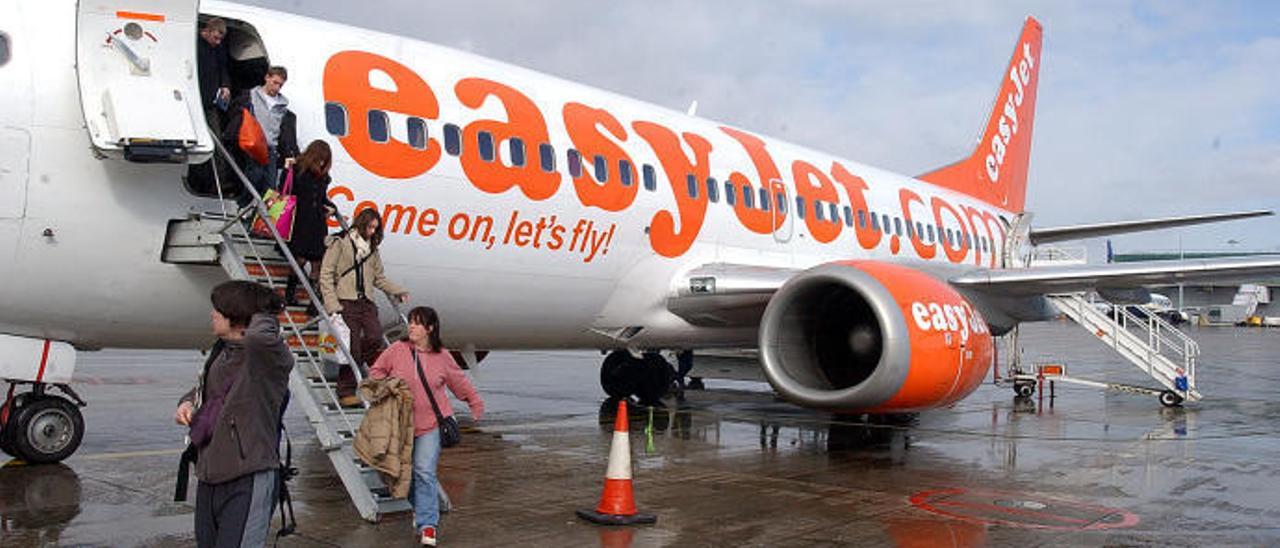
[
  {"x": 280, "y": 271},
  {"x": 308, "y": 340}
]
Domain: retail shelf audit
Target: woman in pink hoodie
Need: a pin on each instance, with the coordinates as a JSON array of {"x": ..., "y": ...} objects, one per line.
[{"x": 423, "y": 349}]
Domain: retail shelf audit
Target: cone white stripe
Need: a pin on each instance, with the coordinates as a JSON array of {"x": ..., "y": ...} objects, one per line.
[{"x": 619, "y": 457}]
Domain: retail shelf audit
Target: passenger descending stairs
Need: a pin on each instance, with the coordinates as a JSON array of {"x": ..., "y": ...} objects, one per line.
[
  {"x": 1157, "y": 347},
  {"x": 222, "y": 239}
]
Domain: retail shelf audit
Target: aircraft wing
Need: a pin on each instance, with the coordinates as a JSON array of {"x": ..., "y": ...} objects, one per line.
[
  {"x": 1078, "y": 232},
  {"x": 732, "y": 295},
  {"x": 1067, "y": 279}
]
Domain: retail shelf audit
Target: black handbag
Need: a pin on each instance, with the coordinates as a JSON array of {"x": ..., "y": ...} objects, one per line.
[{"x": 450, "y": 435}]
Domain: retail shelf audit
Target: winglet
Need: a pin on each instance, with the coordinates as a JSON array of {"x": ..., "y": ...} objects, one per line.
[{"x": 996, "y": 171}]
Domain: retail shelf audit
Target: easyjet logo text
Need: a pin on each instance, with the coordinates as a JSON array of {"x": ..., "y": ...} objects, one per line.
[
  {"x": 509, "y": 143},
  {"x": 1020, "y": 76},
  {"x": 961, "y": 319}
]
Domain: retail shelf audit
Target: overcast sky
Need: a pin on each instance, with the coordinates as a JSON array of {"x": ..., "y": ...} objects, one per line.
[{"x": 1145, "y": 109}]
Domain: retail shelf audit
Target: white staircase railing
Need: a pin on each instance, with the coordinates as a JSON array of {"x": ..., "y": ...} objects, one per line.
[{"x": 1154, "y": 345}]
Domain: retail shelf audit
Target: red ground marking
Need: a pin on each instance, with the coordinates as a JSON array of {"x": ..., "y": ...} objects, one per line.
[{"x": 939, "y": 501}]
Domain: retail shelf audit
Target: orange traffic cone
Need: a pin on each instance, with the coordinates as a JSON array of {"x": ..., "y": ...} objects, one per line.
[{"x": 617, "y": 504}]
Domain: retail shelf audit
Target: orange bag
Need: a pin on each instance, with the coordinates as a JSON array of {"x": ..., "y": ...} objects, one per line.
[{"x": 252, "y": 140}]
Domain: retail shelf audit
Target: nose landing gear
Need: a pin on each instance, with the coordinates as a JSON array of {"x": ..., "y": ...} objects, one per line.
[{"x": 41, "y": 428}]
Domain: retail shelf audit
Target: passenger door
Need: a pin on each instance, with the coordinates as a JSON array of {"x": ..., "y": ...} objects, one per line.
[{"x": 139, "y": 84}]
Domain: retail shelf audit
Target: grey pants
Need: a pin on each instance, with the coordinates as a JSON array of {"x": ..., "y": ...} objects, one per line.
[{"x": 236, "y": 513}]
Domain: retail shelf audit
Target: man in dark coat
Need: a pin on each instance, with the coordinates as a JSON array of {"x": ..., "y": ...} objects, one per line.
[
  {"x": 279, "y": 125},
  {"x": 212, "y": 65}
]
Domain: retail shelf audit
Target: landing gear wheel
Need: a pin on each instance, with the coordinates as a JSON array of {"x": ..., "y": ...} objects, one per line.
[
  {"x": 655, "y": 377},
  {"x": 9, "y": 410},
  {"x": 1169, "y": 398},
  {"x": 46, "y": 430},
  {"x": 616, "y": 376},
  {"x": 1024, "y": 389}
]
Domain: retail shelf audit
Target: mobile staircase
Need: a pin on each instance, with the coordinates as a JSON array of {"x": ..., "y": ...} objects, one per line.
[
  {"x": 1154, "y": 345},
  {"x": 223, "y": 239}
]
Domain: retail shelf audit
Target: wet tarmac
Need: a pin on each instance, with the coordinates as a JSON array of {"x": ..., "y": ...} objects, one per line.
[{"x": 733, "y": 466}]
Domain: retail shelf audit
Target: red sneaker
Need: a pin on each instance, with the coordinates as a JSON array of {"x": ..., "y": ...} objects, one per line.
[{"x": 428, "y": 536}]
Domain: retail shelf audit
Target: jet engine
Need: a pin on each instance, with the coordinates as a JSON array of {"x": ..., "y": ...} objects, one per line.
[{"x": 867, "y": 336}]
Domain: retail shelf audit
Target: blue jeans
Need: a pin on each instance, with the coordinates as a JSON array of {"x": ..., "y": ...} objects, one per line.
[
  {"x": 261, "y": 177},
  {"x": 422, "y": 491}
]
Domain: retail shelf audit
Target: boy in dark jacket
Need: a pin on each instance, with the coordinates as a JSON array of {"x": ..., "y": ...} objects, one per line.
[
  {"x": 237, "y": 468},
  {"x": 279, "y": 125}
]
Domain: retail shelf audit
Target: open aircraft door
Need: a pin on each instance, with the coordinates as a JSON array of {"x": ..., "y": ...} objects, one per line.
[{"x": 139, "y": 84}]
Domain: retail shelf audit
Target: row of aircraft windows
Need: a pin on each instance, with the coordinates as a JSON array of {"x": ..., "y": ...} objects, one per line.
[{"x": 379, "y": 131}]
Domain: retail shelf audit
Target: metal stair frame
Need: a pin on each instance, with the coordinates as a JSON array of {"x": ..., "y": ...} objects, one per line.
[
  {"x": 1155, "y": 355},
  {"x": 362, "y": 483}
]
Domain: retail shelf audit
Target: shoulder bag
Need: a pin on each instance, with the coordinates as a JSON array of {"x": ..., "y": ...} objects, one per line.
[{"x": 450, "y": 435}]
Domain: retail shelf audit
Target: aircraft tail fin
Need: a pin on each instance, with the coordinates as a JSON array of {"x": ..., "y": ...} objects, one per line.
[{"x": 996, "y": 171}]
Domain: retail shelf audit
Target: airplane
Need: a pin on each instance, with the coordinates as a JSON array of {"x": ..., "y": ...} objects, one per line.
[{"x": 531, "y": 211}]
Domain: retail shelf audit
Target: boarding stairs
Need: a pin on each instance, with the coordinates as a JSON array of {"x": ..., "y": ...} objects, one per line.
[
  {"x": 223, "y": 239},
  {"x": 1154, "y": 345},
  {"x": 1249, "y": 296}
]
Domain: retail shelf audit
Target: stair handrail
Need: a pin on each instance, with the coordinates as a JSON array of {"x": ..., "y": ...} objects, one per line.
[
  {"x": 259, "y": 205},
  {"x": 1158, "y": 330}
]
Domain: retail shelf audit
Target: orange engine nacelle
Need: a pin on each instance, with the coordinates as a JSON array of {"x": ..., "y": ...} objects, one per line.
[{"x": 865, "y": 336}]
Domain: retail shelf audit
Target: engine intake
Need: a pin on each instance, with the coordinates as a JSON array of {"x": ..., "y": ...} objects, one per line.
[{"x": 869, "y": 336}]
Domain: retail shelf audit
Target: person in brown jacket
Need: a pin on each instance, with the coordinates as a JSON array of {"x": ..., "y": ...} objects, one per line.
[
  {"x": 350, "y": 270},
  {"x": 385, "y": 438}
]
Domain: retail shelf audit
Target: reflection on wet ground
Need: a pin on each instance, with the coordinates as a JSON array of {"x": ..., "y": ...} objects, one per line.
[{"x": 734, "y": 466}]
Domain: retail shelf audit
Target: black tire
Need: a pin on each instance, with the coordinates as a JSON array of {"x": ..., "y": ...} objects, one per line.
[
  {"x": 47, "y": 429},
  {"x": 1169, "y": 398},
  {"x": 654, "y": 379},
  {"x": 616, "y": 376},
  {"x": 1024, "y": 389},
  {"x": 6, "y": 432}
]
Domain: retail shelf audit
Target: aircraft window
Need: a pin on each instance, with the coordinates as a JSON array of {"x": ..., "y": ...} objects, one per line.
[
  {"x": 730, "y": 195},
  {"x": 781, "y": 200},
  {"x": 417, "y": 133},
  {"x": 817, "y": 210},
  {"x": 930, "y": 227},
  {"x": 764, "y": 199},
  {"x": 452, "y": 140},
  {"x": 848, "y": 216},
  {"x": 748, "y": 197},
  {"x": 835, "y": 213},
  {"x": 910, "y": 233},
  {"x": 547, "y": 154},
  {"x": 335, "y": 115},
  {"x": 875, "y": 222},
  {"x": 967, "y": 243},
  {"x": 713, "y": 190},
  {"x": 378, "y": 126},
  {"x": 800, "y": 207},
  {"x": 950, "y": 236},
  {"x": 601, "y": 168},
  {"x": 624, "y": 171},
  {"x": 985, "y": 241},
  {"x": 650, "y": 178},
  {"x": 897, "y": 225},
  {"x": 862, "y": 219},
  {"x": 691, "y": 183},
  {"x": 486, "y": 146},
  {"x": 575, "y": 163},
  {"x": 919, "y": 229},
  {"x": 516, "y": 145},
  {"x": 4, "y": 49}
]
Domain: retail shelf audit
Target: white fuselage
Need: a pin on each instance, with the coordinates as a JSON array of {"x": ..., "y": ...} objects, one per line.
[{"x": 81, "y": 237}]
